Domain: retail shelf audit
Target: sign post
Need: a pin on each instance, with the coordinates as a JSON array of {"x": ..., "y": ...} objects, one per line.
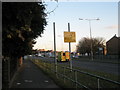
[
  {"x": 55, "y": 48},
  {"x": 69, "y": 37},
  {"x": 70, "y": 48}
]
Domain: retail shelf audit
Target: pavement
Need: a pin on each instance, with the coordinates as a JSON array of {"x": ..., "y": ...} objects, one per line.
[{"x": 30, "y": 76}]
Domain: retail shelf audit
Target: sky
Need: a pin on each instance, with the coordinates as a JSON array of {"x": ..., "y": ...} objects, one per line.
[{"x": 70, "y": 12}]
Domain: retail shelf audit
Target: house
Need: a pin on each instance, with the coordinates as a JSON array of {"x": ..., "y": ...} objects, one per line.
[{"x": 113, "y": 46}]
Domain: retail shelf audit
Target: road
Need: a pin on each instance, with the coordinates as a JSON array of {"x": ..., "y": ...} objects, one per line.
[
  {"x": 98, "y": 66},
  {"x": 110, "y": 68}
]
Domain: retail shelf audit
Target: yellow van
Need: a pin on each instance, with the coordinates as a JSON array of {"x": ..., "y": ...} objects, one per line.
[{"x": 63, "y": 56}]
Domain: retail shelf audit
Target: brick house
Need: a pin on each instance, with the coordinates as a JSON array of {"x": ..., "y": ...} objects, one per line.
[{"x": 113, "y": 46}]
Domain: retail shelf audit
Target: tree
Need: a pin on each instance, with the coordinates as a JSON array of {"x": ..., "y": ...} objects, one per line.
[
  {"x": 84, "y": 45},
  {"x": 22, "y": 23}
]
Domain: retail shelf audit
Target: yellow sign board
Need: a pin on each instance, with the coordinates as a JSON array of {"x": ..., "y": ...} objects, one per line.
[{"x": 69, "y": 37}]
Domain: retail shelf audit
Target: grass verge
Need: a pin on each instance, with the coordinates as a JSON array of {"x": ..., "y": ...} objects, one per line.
[{"x": 91, "y": 82}]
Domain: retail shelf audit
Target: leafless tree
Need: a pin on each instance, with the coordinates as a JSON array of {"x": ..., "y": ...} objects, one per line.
[{"x": 84, "y": 45}]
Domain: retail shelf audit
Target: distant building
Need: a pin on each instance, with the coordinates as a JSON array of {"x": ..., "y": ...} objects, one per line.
[
  {"x": 113, "y": 46},
  {"x": 43, "y": 52}
]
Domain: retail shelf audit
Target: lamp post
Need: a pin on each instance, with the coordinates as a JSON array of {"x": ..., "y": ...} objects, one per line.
[{"x": 91, "y": 46}]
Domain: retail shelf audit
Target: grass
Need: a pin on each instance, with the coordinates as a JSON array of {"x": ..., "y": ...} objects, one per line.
[
  {"x": 86, "y": 80},
  {"x": 48, "y": 71},
  {"x": 102, "y": 74}
]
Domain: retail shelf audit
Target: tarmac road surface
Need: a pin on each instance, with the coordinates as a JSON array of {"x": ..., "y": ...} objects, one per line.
[
  {"x": 110, "y": 68},
  {"x": 30, "y": 76}
]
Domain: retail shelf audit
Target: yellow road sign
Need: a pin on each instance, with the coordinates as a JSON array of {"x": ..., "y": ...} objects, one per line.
[{"x": 69, "y": 37}]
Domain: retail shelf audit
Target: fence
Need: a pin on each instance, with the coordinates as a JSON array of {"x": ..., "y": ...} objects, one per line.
[
  {"x": 9, "y": 67},
  {"x": 76, "y": 78},
  {"x": 102, "y": 57},
  {"x": 107, "y": 57}
]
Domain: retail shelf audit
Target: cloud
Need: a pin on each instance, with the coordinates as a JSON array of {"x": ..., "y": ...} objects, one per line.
[{"x": 112, "y": 27}]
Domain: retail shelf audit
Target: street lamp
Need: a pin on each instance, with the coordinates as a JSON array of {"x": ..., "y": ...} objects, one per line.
[{"x": 90, "y": 34}]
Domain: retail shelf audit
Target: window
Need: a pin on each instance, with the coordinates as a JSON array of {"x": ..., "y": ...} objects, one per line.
[{"x": 63, "y": 54}]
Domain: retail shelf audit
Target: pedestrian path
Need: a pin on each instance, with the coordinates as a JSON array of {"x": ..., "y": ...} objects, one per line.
[{"x": 30, "y": 76}]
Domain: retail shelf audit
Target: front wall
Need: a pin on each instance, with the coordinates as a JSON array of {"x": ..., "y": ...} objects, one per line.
[{"x": 112, "y": 46}]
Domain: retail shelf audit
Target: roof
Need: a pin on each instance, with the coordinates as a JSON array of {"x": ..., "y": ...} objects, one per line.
[{"x": 113, "y": 37}]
